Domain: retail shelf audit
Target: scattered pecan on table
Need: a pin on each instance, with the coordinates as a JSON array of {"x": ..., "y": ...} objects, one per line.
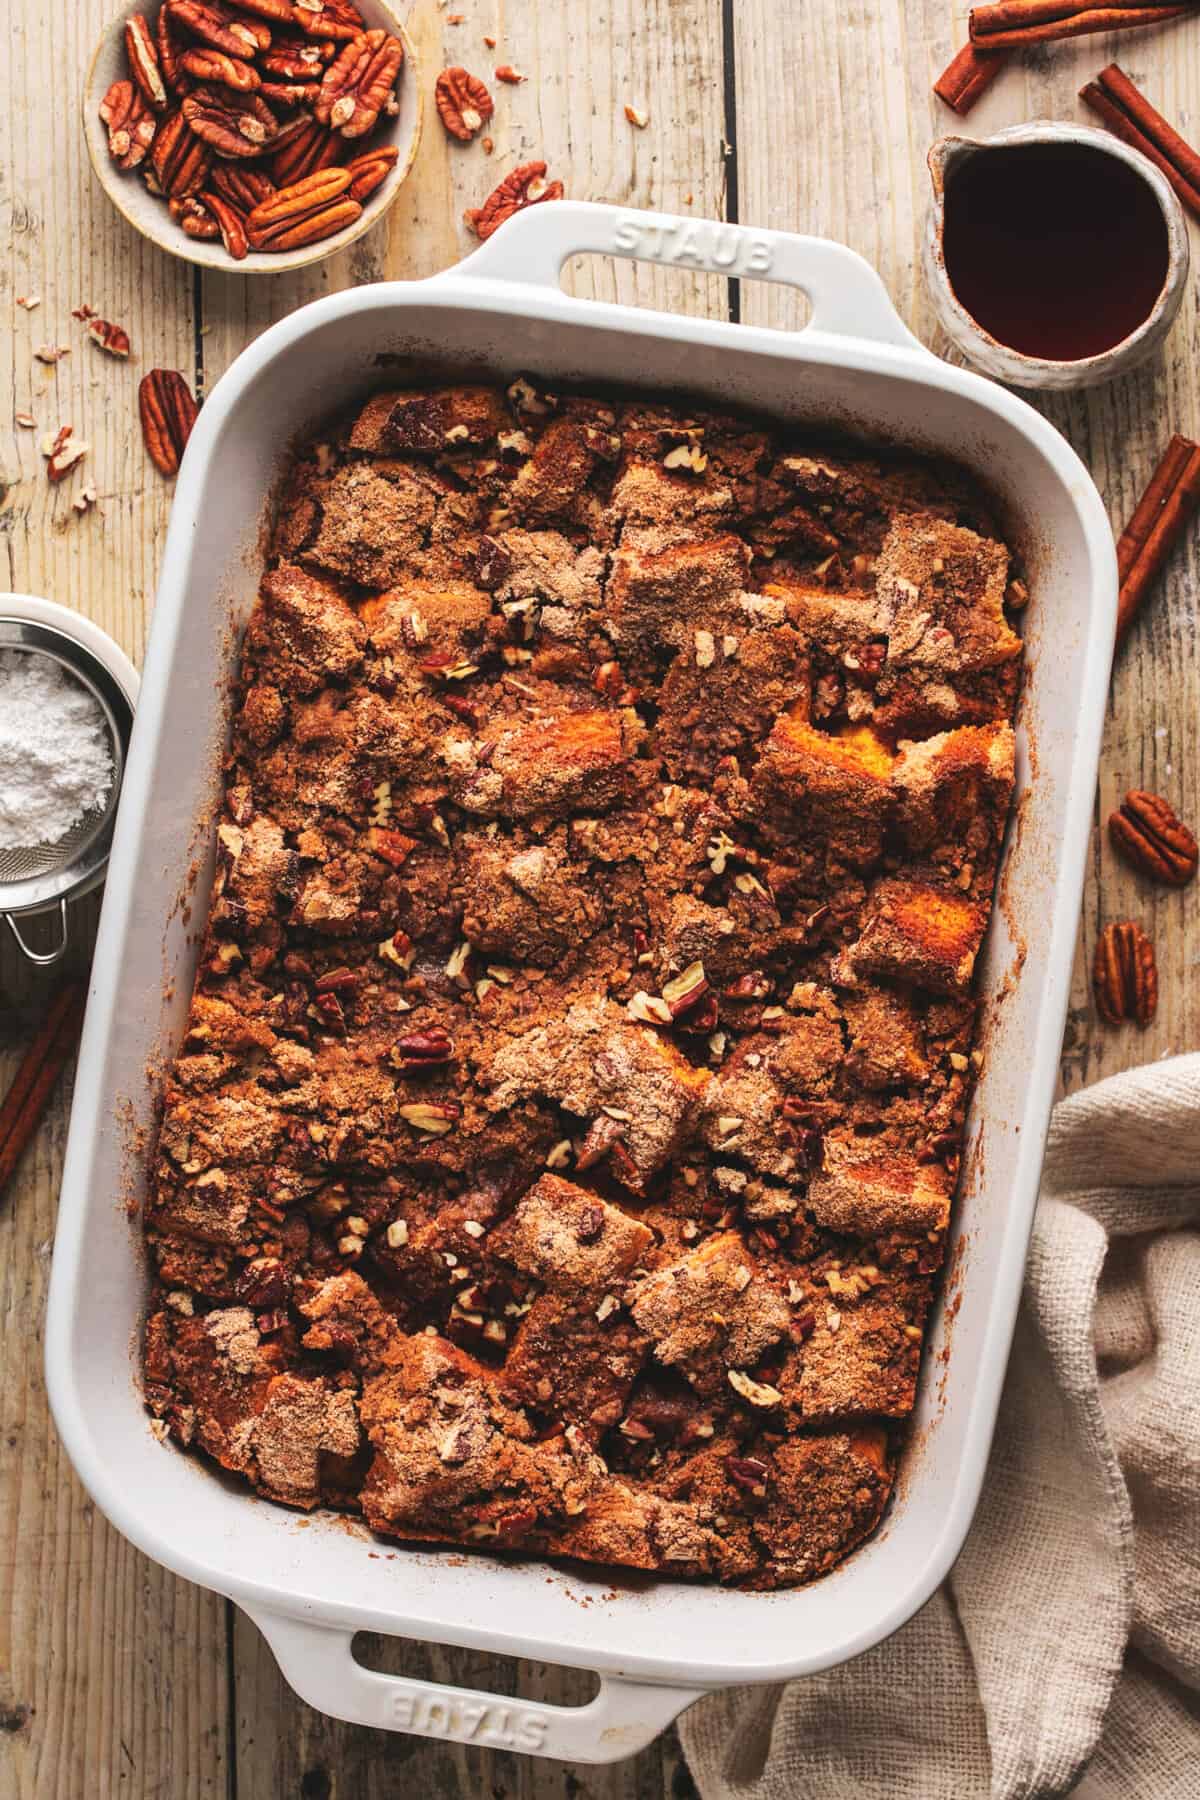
[
  {"x": 1149, "y": 835},
  {"x": 167, "y": 412},
  {"x": 463, "y": 102},
  {"x": 1125, "y": 975},
  {"x": 112, "y": 338},
  {"x": 62, "y": 450},
  {"x": 277, "y": 90},
  {"x": 526, "y": 186}
]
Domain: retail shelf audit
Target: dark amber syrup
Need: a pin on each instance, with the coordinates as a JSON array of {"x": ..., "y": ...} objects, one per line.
[{"x": 1059, "y": 251}]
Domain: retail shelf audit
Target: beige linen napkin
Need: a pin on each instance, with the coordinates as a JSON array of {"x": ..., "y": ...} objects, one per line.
[{"x": 1063, "y": 1653}]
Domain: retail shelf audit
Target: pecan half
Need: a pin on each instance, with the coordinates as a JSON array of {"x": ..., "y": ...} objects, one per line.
[
  {"x": 1149, "y": 835},
  {"x": 526, "y": 186},
  {"x": 294, "y": 59},
  {"x": 231, "y": 222},
  {"x": 290, "y": 93},
  {"x": 167, "y": 412},
  {"x": 142, "y": 57},
  {"x": 168, "y": 52},
  {"x": 235, "y": 125},
  {"x": 303, "y": 213},
  {"x": 218, "y": 25},
  {"x": 242, "y": 187},
  {"x": 463, "y": 103},
  {"x": 369, "y": 171},
  {"x": 337, "y": 19},
  {"x": 194, "y": 218},
  {"x": 178, "y": 158},
  {"x": 358, "y": 83},
  {"x": 222, "y": 69},
  {"x": 1125, "y": 975},
  {"x": 131, "y": 124},
  {"x": 303, "y": 152},
  {"x": 280, "y": 12}
]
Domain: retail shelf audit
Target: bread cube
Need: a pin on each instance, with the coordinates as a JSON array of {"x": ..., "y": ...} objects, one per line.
[
  {"x": 303, "y": 633},
  {"x": 867, "y": 1187},
  {"x": 834, "y": 787},
  {"x": 954, "y": 791},
  {"x": 863, "y": 1353},
  {"x": 569, "y": 1362},
  {"x": 710, "y": 1311},
  {"x": 942, "y": 588},
  {"x": 597, "y": 1064},
  {"x": 921, "y": 933},
  {"x": 662, "y": 597},
  {"x": 569, "y": 1239},
  {"x": 578, "y": 761},
  {"x": 452, "y": 418}
]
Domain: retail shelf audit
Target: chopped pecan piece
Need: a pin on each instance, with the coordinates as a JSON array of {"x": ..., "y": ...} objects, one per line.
[
  {"x": 1125, "y": 975},
  {"x": 1149, "y": 835},
  {"x": 526, "y": 186},
  {"x": 110, "y": 337},
  {"x": 463, "y": 102},
  {"x": 422, "y": 1049},
  {"x": 62, "y": 450}
]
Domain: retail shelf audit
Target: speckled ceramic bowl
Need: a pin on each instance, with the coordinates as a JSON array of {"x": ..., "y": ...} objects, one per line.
[
  {"x": 147, "y": 212},
  {"x": 1000, "y": 360}
]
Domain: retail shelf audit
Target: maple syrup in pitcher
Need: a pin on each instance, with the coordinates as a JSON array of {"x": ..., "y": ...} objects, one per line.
[{"x": 1058, "y": 251}]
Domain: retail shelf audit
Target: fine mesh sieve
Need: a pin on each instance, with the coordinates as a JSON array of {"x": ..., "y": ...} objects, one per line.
[{"x": 38, "y": 876}]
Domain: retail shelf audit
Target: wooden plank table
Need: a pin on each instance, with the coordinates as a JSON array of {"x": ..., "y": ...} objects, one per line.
[{"x": 115, "y": 1677}]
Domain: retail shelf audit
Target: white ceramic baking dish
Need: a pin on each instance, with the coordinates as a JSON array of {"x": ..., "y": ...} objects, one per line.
[{"x": 657, "y": 1646}]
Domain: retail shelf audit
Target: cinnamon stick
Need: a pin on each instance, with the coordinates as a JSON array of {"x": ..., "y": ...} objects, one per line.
[
  {"x": 971, "y": 72},
  {"x": 1012, "y": 24},
  {"x": 1158, "y": 522},
  {"x": 1127, "y": 112},
  {"x": 40, "y": 1069}
]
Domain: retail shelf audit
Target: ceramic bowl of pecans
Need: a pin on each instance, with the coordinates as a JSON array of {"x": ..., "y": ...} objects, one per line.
[{"x": 253, "y": 135}]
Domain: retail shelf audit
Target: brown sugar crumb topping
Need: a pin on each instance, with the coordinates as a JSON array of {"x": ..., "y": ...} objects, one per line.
[{"x": 560, "y": 1150}]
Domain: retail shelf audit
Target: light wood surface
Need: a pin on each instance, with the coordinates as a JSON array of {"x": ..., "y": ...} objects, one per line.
[{"x": 116, "y": 1678}]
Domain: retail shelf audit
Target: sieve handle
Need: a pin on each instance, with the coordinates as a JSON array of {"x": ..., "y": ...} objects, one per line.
[{"x": 43, "y": 958}]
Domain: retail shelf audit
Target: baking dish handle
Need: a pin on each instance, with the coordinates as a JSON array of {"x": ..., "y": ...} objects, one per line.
[
  {"x": 317, "y": 1661},
  {"x": 845, "y": 293}
]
